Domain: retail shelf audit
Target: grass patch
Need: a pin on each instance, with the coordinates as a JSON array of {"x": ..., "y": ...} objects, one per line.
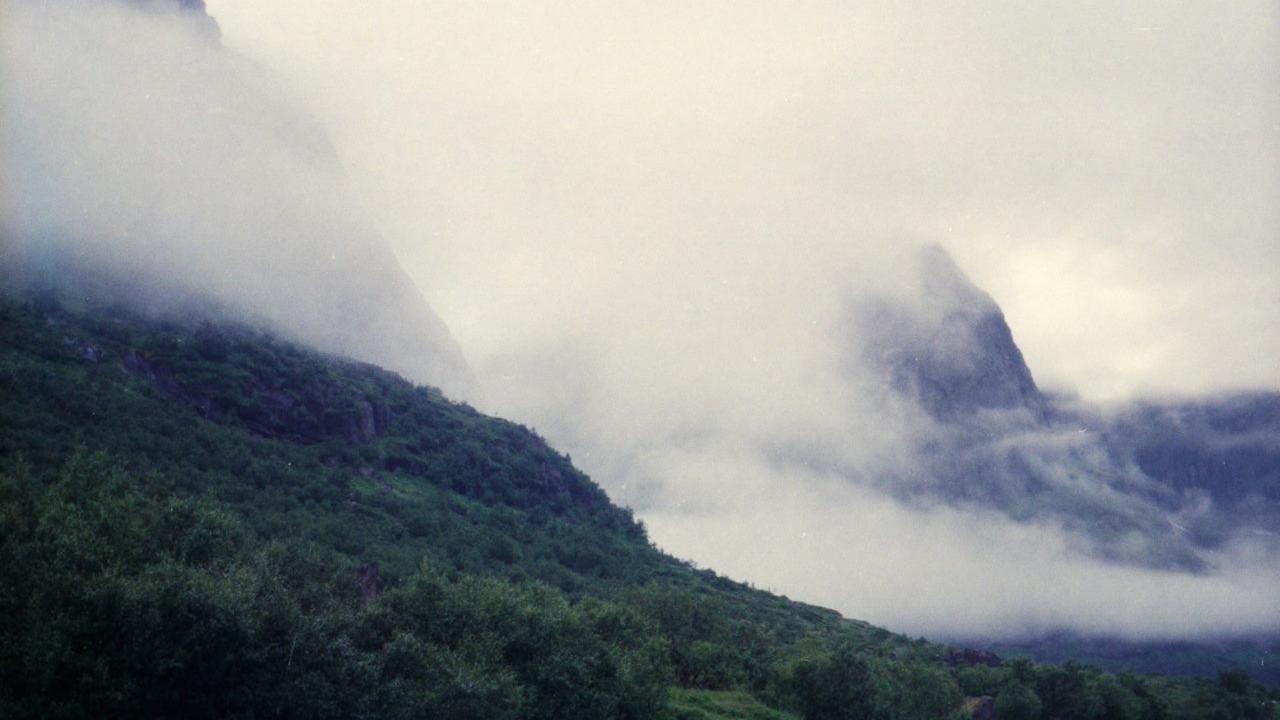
[{"x": 687, "y": 704}]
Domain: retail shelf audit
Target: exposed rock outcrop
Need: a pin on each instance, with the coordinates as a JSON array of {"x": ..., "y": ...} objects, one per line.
[
  {"x": 369, "y": 581},
  {"x": 949, "y": 347}
]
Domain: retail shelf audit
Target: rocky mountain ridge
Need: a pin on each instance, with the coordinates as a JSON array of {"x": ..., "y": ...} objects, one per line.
[{"x": 1158, "y": 483}]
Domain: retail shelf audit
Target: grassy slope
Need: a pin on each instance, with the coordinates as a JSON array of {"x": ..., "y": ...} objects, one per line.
[{"x": 713, "y": 705}]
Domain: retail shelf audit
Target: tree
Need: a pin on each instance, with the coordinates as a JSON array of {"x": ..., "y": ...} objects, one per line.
[
  {"x": 921, "y": 692},
  {"x": 837, "y": 687},
  {"x": 1018, "y": 702}
]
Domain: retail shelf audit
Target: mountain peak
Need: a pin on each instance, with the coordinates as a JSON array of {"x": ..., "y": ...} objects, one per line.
[
  {"x": 945, "y": 285},
  {"x": 948, "y": 345}
]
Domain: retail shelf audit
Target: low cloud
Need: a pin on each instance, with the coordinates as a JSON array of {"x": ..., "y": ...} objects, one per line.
[
  {"x": 949, "y": 573},
  {"x": 138, "y": 151},
  {"x": 797, "y": 466}
]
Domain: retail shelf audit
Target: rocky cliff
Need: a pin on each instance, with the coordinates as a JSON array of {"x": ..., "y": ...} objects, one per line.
[{"x": 948, "y": 346}]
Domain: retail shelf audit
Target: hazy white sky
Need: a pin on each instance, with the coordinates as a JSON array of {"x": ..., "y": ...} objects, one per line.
[{"x": 1108, "y": 171}]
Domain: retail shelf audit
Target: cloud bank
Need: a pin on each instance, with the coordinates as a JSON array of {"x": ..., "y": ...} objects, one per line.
[
  {"x": 136, "y": 146},
  {"x": 943, "y": 572}
]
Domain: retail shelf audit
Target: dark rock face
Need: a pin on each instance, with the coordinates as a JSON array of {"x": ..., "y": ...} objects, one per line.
[
  {"x": 948, "y": 386},
  {"x": 968, "y": 657},
  {"x": 952, "y": 351},
  {"x": 1228, "y": 446},
  {"x": 138, "y": 363},
  {"x": 1223, "y": 451}
]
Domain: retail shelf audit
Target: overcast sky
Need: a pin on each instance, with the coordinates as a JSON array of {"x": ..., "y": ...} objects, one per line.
[
  {"x": 644, "y": 222},
  {"x": 1108, "y": 171}
]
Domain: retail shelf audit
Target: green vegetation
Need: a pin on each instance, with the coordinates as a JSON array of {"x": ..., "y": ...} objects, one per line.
[
  {"x": 1169, "y": 658},
  {"x": 118, "y": 602},
  {"x": 1023, "y": 689},
  {"x": 200, "y": 520},
  {"x": 685, "y": 704}
]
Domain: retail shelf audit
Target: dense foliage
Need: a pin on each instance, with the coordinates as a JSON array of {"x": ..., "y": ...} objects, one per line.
[
  {"x": 1257, "y": 655},
  {"x": 200, "y": 520},
  {"x": 125, "y": 601},
  {"x": 1023, "y": 689}
]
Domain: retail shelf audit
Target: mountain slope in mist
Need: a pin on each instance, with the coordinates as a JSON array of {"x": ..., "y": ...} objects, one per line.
[
  {"x": 147, "y": 165},
  {"x": 201, "y": 520},
  {"x": 950, "y": 350},
  {"x": 1158, "y": 484},
  {"x": 1165, "y": 484},
  {"x": 147, "y": 162}
]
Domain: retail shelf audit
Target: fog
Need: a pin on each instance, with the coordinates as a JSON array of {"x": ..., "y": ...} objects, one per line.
[
  {"x": 1106, "y": 172},
  {"x": 646, "y": 225},
  {"x": 942, "y": 572},
  {"x": 136, "y": 148}
]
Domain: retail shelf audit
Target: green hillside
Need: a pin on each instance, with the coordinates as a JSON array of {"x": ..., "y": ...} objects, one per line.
[{"x": 200, "y": 520}]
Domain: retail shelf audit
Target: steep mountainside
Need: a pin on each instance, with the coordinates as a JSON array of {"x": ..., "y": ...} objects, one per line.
[
  {"x": 380, "y": 473},
  {"x": 1227, "y": 448},
  {"x": 276, "y": 533}
]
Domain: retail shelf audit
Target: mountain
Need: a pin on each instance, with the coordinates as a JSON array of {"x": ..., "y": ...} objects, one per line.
[
  {"x": 948, "y": 347},
  {"x": 1165, "y": 484},
  {"x": 210, "y": 507},
  {"x": 1227, "y": 448},
  {"x": 374, "y": 486},
  {"x": 202, "y": 520},
  {"x": 1134, "y": 480}
]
